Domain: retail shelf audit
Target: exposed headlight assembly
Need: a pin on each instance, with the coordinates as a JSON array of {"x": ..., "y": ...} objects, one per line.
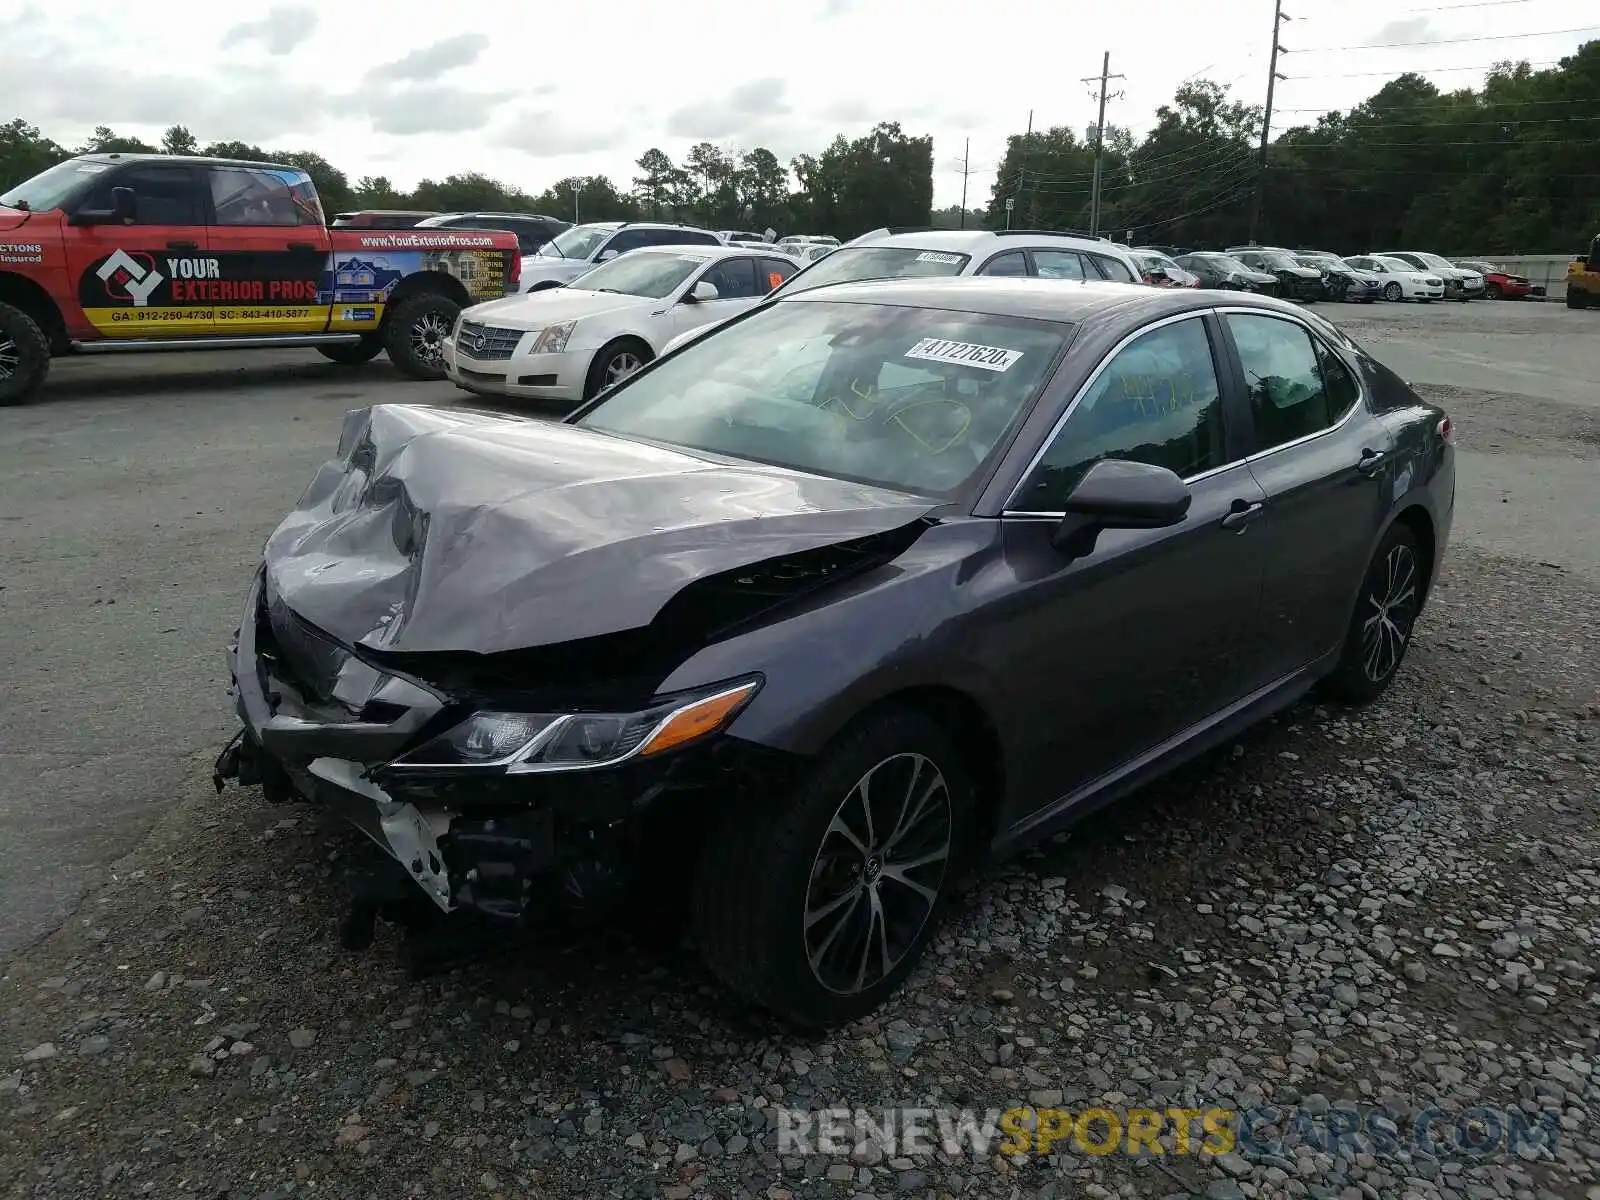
[
  {"x": 553, "y": 338},
  {"x": 534, "y": 743}
]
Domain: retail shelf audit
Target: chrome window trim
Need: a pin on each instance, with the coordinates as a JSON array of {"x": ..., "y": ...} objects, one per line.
[
  {"x": 1072, "y": 405},
  {"x": 1290, "y": 318}
]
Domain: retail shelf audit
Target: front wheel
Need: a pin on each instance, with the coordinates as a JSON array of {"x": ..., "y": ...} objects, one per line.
[
  {"x": 24, "y": 356},
  {"x": 1393, "y": 292},
  {"x": 1380, "y": 628},
  {"x": 1492, "y": 292},
  {"x": 353, "y": 354},
  {"x": 1576, "y": 299},
  {"x": 614, "y": 363},
  {"x": 818, "y": 905},
  {"x": 414, "y": 334}
]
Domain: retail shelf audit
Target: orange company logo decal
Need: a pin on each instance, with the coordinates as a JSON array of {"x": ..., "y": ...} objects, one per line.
[{"x": 130, "y": 277}]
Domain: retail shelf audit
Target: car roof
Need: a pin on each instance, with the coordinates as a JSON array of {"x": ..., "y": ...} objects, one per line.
[
  {"x": 199, "y": 160},
  {"x": 1065, "y": 300},
  {"x": 450, "y": 216},
  {"x": 967, "y": 240},
  {"x": 695, "y": 249}
]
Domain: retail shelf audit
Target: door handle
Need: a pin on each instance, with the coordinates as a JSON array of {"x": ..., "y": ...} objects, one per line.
[
  {"x": 302, "y": 245},
  {"x": 183, "y": 245},
  {"x": 1242, "y": 513},
  {"x": 1371, "y": 460}
]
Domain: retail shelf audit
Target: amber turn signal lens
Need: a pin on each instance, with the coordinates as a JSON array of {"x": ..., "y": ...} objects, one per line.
[{"x": 698, "y": 719}]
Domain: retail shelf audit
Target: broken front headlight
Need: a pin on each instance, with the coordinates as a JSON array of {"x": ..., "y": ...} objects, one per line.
[{"x": 528, "y": 743}]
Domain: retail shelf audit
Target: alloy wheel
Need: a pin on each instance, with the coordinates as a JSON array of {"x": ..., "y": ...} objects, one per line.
[
  {"x": 1392, "y": 292},
  {"x": 10, "y": 357},
  {"x": 427, "y": 336},
  {"x": 621, "y": 364},
  {"x": 1391, "y": 609},
  {"x": 878, "y": 873}
]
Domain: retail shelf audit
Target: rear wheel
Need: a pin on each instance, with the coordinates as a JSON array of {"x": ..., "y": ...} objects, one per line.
[
  {"x": 1380, "y": 628},
  {"x": 24, "y": 355},
  {"x": 1393, "y": 292},
  {"x": 1576, "y": 299},
  {"x": 353, "y": 354},
  {"x": 414, "y": 333},
  {"x": 1492, "y": 292},
  {"x": 818, "y": 905},
  {"x": 613, "y": 363}
]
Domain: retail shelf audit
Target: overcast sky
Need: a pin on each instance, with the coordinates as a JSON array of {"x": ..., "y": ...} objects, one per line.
[{"x": 541, "y": 91}]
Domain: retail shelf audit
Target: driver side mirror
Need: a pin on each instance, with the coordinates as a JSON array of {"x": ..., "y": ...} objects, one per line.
[
  {"x": 701, "y": 293},
  {"x": 122, "y": 210},
  {"x": 606, "y": 255},
  {"x": 1117, "y": 494}
]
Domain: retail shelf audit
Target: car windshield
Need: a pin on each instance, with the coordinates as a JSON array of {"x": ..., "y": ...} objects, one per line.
[
  {"x": 1436, "y": 262},
  {"x": 847, "y": 264},
  {"x": 1312, "y": 260},
  {"x": 644, "y": 273},
  {"x": 1276, "y": 259},
  {"x": 51, "y": 188},
  {"x": 578, "y": 242},
  {"x": 1395, "y": 264},
  {"x": 907, "y": 398},
  {"x": 1225, "y": 262}
]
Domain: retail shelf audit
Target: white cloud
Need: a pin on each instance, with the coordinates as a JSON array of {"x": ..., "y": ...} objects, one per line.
[
  {"x": 279, "y": 32},
  {"x": 530, "y": 100}
]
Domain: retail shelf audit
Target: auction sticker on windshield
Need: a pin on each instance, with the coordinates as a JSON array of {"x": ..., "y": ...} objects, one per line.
[
  {"x": 935, "y": 256},
  {"x": 966, "y": 354}
]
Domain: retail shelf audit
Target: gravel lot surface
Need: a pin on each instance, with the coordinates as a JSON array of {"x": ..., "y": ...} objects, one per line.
[{"x": 1395, "y": 907}]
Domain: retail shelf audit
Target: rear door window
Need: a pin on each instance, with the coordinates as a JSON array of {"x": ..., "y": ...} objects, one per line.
[
  {"x": 1061, "y": 264},
  {"x": 1112, "y": 268}
]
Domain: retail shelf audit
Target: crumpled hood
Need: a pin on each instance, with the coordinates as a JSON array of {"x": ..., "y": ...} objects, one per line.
[
  {"x": 536, "y": 310},
  {"x": 453, "y": 530}
]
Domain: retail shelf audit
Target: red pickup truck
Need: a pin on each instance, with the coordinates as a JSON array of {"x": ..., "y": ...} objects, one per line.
[{"x": 118, "y": 253}]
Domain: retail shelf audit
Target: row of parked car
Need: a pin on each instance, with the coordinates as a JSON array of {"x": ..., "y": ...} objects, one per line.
[
  {"x": 600, "y": 300},
  {"x": 1394, "y": 275}
]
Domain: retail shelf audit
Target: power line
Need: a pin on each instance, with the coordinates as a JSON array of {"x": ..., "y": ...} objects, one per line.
[
  {"x": 1447, "y": 124},
  {"x": 1476, "y": 104},
  {"x": 1495, "y": 37},
  {"x": 1552, "y": 62}
]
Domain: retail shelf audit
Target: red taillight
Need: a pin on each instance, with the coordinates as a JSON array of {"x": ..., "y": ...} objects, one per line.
[
  {"x": 514, "y": 276},
  {"x": 1447, "y": 431}
]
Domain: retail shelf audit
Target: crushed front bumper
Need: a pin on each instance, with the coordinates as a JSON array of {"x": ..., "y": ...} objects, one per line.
[{"x": 320, "y": 725}]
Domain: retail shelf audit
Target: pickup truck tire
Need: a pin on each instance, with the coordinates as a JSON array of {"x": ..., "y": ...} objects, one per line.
[
  {"x": 24, "y": 356},
  {"x": 414, "y": 330},
  {"x": 1576, "y": 299},
  {"x": 354, "y": 354}
]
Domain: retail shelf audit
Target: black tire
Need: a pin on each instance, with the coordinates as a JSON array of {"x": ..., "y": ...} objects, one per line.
[
  {"x": 24, "y": 356},
  {"x": 609, "y": 359},
  {"x": 1492, "y": 292},
  {"x": 1340, "y": 291},
  {"x": 1576, "y": 299},
  {"x": 356, "y": 353},
  {"x": 413, "y": 330},
  {"x": 1372, "y": 656},
  {"x": 1393, "y": 293},
  {"x": 761, "y": 860}
]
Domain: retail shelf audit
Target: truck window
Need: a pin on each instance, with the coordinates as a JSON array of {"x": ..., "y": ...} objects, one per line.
[
  {"x": 242, "y": 196},
  {"x": 163, "y": 193}
]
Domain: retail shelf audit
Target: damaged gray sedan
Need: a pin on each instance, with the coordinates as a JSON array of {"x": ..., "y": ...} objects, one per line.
[{"x": 870, "y": 586}]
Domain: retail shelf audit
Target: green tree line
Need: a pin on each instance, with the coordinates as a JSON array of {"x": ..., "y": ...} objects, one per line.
[
  {"x": 882, "y": 178},
  {"x": 1513, "y": 166}
]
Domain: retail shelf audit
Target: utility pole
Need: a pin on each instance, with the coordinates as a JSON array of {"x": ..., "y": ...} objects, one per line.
[
  {"x": 1278, "y": 18},
  {"x": 1099, "y": 141},
  {"x": 966, "y": 169},
  {"x": 1022, "y": 171}
]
